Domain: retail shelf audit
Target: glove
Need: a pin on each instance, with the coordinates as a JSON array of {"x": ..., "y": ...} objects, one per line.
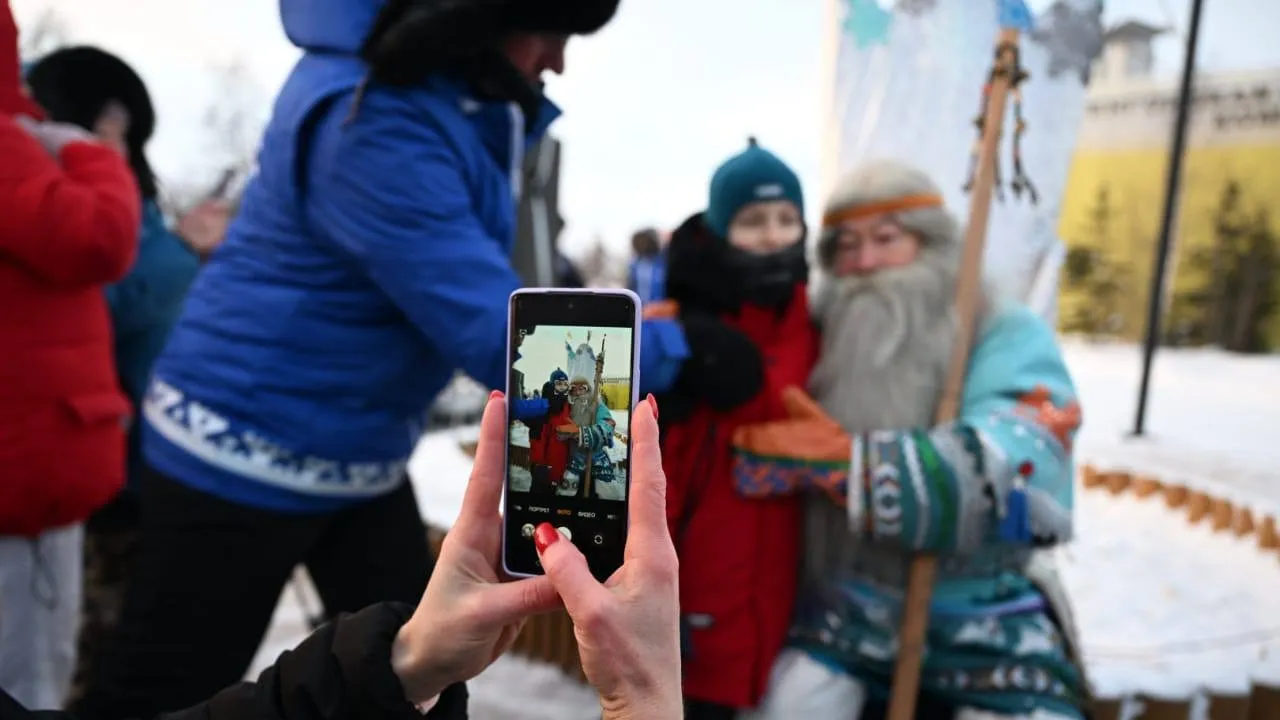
[
  {"x": 724, "y": 368},
  {"x": 53, "y": 136},
  {"x": 807, "y": 451}
]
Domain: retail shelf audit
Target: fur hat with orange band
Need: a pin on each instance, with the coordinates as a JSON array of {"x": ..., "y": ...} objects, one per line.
[{"x": 891, "y": 191}]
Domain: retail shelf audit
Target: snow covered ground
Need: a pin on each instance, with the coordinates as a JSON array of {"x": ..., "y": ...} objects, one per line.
[{"x": 1163, "y": 608}]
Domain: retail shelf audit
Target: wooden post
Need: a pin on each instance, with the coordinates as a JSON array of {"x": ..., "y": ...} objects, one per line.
[
  {"x": 915, "y": 609},
  {"x": 1228, "y": 707},
  {"x": 1165, "y": 709},
  {"x": 1146, "y": 485},
  {"x": 1268, "y": 538},
  {"x": 1264, "y": 703},
  {"x": 1108, "y": 709},
  {"x": 1198, "y": 505},
  {"x": 1223, "y": 514}
]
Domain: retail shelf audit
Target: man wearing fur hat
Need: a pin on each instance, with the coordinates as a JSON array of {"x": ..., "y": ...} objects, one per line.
[{"x": 882, "y": 482}]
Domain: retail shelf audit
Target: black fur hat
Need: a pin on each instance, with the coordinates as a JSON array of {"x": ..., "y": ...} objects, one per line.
[
  {"x": 411, "y": 38},
  {"x": 75, "y": 84}
]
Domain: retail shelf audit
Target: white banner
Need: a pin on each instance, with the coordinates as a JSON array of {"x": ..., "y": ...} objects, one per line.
[{"x": 908, "y": 85}]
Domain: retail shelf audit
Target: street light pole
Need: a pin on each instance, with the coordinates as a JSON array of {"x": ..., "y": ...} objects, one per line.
[{"x": 1155, "y": 302}]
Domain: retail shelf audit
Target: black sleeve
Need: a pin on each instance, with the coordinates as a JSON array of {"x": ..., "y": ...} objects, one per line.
[
  {"x": 724, "y": 368},
  {"x": 342, "y": 672}
]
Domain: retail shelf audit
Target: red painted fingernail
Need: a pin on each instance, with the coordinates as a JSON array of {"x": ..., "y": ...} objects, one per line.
[
  {"x": 495, "y": 395},
  {"x": 543, "y": 536},
  {"x": 653, "y": 405}
]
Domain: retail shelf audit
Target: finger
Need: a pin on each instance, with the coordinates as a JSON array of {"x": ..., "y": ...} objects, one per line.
[
  {"x": 567, "y": 570},
  {"x": 647, "y": 517},
  {"x": 512, "y": 602},
  {"x": 484, "y": 489},
  {"x": 802, "y": 407}
]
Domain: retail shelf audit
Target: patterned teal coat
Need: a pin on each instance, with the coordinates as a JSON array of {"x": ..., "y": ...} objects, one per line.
[{"x": 982, "y": 492}]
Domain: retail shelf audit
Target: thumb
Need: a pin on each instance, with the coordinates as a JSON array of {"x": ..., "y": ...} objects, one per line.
[
  {"x": 802, "y": 407},
  {"x": 512, "y": 602},
  {"x": 567, "y": 569}
]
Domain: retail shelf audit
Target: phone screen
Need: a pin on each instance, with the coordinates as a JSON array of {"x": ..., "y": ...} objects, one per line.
[{"x": 569, "y": 409}]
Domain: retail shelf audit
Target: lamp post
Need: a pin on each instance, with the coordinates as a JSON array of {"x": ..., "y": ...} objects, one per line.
[{"x": 1155, "y": 300}]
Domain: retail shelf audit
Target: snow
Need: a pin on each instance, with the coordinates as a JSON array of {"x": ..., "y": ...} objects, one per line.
[{"x": 1164, "y": 608}]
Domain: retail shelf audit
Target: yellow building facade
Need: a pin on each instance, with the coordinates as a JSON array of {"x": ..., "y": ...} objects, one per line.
[{"x": 1111, "y": 211}]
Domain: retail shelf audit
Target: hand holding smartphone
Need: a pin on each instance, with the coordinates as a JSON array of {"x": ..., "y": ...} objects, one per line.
[{"x": 573, "y": 356}]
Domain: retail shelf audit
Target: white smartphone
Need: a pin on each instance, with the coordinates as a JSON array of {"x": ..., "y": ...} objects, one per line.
[{"x": 574, "y": 358}]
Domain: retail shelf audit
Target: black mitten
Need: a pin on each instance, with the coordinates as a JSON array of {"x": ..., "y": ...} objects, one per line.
[{"x": 724, "y": 368}]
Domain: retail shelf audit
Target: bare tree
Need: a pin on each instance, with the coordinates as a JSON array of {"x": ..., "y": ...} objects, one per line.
[
  {"x": 46, "y": 33},
  {"x": 602, "y": 268},
  {"x": 234, "y": 123}
]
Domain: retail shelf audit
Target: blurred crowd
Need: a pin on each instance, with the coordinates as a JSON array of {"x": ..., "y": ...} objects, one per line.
[{"x": 192, "y": 407}]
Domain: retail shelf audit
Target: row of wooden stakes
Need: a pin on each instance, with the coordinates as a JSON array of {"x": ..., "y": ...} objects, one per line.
[
  {"x": 1263, "y": 702},
  {"x": 1197, "y": 507}
]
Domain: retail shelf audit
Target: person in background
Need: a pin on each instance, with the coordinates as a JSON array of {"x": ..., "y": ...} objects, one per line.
[
  {"x": 737, "y": 284},
  {"x": 567, "y": 273},
  {"x": 394, "y": 662},
  {"x": 369, "y": 261},
  {"x": 76, "y": 85},
  {"x": 647, "y": 274},
  {"x": 69, "y": 219}
]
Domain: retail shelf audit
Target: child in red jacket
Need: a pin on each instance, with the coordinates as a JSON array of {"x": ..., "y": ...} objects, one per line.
[
  {"x": 69, "y": 220},
  {"x": 736, "y": 275}
]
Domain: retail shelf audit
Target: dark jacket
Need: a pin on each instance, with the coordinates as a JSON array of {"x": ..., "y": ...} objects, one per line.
[{"x": 342, "y": 671}]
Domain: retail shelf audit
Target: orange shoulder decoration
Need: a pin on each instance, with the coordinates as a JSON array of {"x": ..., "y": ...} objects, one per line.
[
  {"x": 661, "y": 310},
  {"x": 1038, "y": 405}
]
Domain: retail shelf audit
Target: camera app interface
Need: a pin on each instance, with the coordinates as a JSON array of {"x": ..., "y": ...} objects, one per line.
[{"x": 568, "y": 454}]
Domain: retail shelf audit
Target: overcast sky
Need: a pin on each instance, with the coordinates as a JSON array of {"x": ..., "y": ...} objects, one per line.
[{"x": 652, "y": 103}]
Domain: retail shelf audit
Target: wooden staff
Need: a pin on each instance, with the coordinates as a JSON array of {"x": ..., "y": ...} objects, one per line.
[
  {"x": 915, "y": 611},
  {"x": 595, "y": 407}
]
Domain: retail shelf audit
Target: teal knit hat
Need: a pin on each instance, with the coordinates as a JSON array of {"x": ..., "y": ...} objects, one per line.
[{"x": 754, "y": 175}]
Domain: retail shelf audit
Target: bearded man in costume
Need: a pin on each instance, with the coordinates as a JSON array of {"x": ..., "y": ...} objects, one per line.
[
  {"x": 881, "y": 481},
  {"x": 588, "y": 436}
]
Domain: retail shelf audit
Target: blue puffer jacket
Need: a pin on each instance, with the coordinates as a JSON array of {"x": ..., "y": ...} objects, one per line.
[
  {"x": 144, "y": 307},
  {"x": 370, "y": 259}
]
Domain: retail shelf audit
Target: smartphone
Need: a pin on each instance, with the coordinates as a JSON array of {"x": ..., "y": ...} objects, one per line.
[{"x": 573, "y": 356}]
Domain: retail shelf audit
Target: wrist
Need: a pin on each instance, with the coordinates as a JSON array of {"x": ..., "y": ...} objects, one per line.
[
  {"x": 411, "y": 665},
  {"x": 667, "y": 706}
]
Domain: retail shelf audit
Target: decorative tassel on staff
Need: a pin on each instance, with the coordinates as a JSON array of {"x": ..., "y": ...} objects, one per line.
[
  {"x": 1002, "y": 83},
  {"x": 1007, "y": 68}
]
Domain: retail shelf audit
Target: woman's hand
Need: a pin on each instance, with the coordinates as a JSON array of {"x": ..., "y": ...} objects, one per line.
[
  {"x": 468, "y": 616},
  {"x": 204, "y": 228},
  {"x": 628, "y": 628},
  {"x": 112, "y": 126}
]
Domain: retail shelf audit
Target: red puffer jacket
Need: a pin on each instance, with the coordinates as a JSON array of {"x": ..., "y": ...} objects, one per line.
[
  {"x": 68, "y": 227},
  {"x": 739, "y": 558}
]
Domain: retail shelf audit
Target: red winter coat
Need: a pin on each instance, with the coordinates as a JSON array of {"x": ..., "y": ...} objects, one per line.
[
  {"x": 68, "y": 227},
  {"x": 545, "y": 448},
  {"x": 739, "y": 558}
]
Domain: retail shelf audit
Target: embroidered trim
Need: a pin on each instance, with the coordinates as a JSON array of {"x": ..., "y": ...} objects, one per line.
[
  {"x": 204, "y": 433},
  {"x": 886, "y": 485},
  {"x": 925, "y": 510},
  {"x": 856, "y": 487},
  {"x": 946, "y": 494}
]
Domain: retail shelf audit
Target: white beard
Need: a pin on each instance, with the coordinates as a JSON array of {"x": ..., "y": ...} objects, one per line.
[
  {"x": 887, "y": 340},
  {"x": 580, "y": 410}
]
